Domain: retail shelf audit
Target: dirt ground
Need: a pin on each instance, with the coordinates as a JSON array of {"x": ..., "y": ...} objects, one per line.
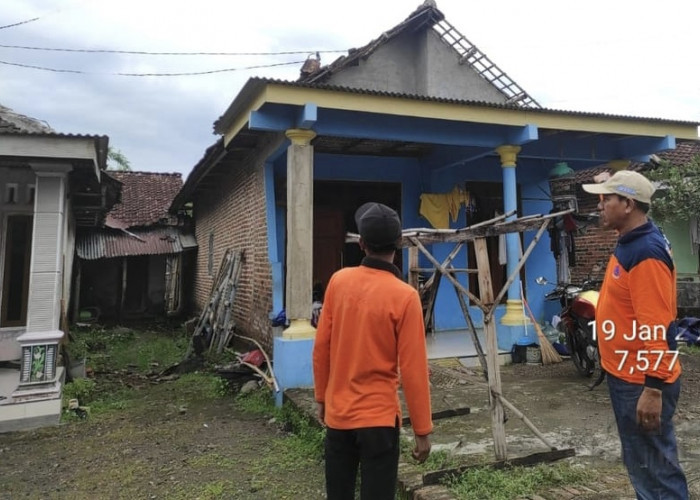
[
  {"x": 560, "y": 405},
  {"x": 185, "y": 446},
  {"x": 166, "y": 445}
]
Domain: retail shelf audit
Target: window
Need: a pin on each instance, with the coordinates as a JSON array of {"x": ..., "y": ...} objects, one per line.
[
  {"x": 15, "y": 289},
  {"x": 31, "y": 194},
  {"x": 11, "y": 193}
]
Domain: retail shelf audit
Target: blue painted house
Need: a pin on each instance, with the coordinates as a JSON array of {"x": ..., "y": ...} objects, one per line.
[{"x": 415, "y": 119}]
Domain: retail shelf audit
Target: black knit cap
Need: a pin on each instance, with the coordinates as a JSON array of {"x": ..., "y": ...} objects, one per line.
[{"x": 378, "y": 225}]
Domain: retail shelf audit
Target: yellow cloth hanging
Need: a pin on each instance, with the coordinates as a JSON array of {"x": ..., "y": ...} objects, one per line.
[{"x": 438, "y": 208}]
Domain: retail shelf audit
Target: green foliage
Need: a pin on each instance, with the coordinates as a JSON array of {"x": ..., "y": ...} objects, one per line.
[
  {"x": 504, "y": 484},
  {"x": 306, "y": 439},
  {"x": 124, "y": 348},
  {"x": 117, "y": 161},
  {"x": 678, "y": 197},
  {"x": 82, "y": 389},
  {"x": 204, "y": 385}
]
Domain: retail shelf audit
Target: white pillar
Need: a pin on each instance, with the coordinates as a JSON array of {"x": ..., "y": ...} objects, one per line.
[
  {"x": 46, "y": 277},
  {"x": 300, "y": 198}
]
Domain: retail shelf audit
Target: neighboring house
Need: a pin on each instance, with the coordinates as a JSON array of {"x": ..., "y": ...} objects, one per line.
[
  {"x": 51, "y": 185},
  {"x": 134, "y": 266},
  {"x": 594, "y": 245},
  {"x": 418, "y": 111}
]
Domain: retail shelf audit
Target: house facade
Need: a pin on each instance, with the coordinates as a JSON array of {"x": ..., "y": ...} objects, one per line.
[
  {"x": 50, "y": 185},
  {"x": 418, "y": 119},
  {"x": 135, "y": 266}
]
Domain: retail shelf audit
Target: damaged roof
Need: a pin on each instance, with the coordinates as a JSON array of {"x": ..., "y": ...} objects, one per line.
[
  {"x": 426, "y": 16},
  {"x": 146, "y": 198},
  {"x": 12, "y": 122},
  {"x": 109, "y": 243}
]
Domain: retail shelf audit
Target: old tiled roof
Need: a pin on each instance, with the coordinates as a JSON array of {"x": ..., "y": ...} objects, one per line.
[
  {"x": 683, "y": 153},
  {"x": 15, "y": 123},
  {"x": 146, "y": 197}
]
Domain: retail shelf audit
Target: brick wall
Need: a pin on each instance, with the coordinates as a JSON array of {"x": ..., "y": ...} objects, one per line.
[
  {"x": 235, "y": 211},
  {"x": 594, "y": 246}
]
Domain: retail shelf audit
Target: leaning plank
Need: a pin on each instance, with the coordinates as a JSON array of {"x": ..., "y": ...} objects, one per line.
[
  {"x": 437, "y": 476},
  {"x": 437, "y": 415},
  {"x": 494, "y": 375}
]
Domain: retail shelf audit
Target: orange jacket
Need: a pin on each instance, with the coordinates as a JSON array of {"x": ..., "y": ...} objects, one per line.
[
  {"x": 371, "y": 327},
  {"x": 636, "y": 312}
]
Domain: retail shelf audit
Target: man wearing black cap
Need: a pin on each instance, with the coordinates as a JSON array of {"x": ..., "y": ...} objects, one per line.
[{"x": 370, "y": 329}]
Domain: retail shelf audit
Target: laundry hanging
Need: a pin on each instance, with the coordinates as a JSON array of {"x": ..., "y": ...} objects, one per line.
[{"x": 439, "y": 208}]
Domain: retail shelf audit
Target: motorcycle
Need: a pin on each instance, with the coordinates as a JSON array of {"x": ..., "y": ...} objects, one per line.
[{"x": 578, "y": 305}]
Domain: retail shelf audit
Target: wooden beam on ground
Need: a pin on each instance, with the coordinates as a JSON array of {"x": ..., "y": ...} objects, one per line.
[
  {"x": 494, "y": 375},
  {"x": 437, "y": 476},
  {"x": 437, "y": 415}
]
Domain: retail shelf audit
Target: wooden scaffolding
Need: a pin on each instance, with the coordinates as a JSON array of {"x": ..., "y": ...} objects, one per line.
[{"x": 417, "y": 239}]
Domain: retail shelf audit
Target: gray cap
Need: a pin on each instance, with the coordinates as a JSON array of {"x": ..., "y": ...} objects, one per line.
[{"x": 378, "y": 225}]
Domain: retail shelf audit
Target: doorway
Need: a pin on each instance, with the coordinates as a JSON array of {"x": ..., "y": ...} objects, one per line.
[
  {"x": 335, "y": 203},
  {"x": 15, "y": 283}
]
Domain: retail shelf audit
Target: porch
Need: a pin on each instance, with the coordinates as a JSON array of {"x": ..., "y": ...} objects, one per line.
[{"x": 44, "y": 409}]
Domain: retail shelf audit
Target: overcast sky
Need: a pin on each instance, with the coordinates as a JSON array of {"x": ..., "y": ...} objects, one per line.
[{"x": 611, "y": 56}]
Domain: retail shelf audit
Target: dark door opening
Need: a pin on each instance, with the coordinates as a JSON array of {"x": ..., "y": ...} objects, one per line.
[
  {"x": 15, "y": 286},
  {"x": 136, "y": 284},
  {"x": 487, "y": 200},
  {"x": 335, "y": 203}
]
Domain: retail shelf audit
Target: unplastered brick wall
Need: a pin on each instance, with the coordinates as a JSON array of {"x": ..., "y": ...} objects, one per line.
[
  {"x": 594, "y": 246},
  {"x": 235, "y": 213}
]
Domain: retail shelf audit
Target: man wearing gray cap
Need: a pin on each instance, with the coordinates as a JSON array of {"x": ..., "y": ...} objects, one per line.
[
  {"x": 636, "y": 332},
  {"x": 370, "y": 329}
]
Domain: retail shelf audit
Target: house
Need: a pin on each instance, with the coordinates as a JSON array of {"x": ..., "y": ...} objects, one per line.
[
  {"x": 51, "y": 185},
  {"x": 594, "y": 245},
  {"x": 420, "y": 113},
  {"x": 134, "y": 266}
]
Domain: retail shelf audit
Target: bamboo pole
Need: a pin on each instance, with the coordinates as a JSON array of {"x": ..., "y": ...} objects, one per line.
[
  {"x": 448, "y": 275},
  {"x": 494, "y": 375},
  {"x": 520, "y": 265}
]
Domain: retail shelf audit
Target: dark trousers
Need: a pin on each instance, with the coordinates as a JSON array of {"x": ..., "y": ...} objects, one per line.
[
  {"x": 374, "y": 450},
  {"x": 651, "y": 458}
]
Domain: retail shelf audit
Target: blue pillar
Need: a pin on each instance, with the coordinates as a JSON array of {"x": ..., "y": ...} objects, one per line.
[{"x": 513, "y": 321}]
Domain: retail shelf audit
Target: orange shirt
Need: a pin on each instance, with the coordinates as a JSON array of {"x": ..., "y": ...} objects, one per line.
[
  {"x": 371, "y": 327},
  {"x": 636, "y": 312}
]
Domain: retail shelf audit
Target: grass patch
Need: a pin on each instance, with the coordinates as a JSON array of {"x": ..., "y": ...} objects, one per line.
[
  {"x": 692, "y": 349},
  {"x": 123, "y": 348},
  {"x": 305, "y": 439},
  {"x": 504, "y": 484}
]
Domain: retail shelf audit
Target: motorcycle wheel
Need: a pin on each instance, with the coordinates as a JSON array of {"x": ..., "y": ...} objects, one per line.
[{"x": 584, "y": 365}]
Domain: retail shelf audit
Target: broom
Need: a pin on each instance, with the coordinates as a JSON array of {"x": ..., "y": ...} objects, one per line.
[{"x": 549, "y": 353}]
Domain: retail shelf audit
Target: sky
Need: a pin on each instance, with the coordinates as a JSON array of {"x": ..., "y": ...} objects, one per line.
[{"x": 622, "y": 57}]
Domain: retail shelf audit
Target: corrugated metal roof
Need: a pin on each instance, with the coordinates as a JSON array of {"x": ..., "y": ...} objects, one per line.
[
  {"x": 110, "y": 243},
  {"x": 255, "y": 84}
]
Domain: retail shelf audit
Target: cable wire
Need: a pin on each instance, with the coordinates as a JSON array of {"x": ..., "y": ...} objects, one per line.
[
  {"x": 148, "y": 53},
  {"x": 192, "y": 73}
]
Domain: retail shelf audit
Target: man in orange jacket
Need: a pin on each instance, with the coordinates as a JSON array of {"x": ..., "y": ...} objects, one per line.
[
  {"x": 370, "y": 330},
  {"x": 636, "y": 331}
]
